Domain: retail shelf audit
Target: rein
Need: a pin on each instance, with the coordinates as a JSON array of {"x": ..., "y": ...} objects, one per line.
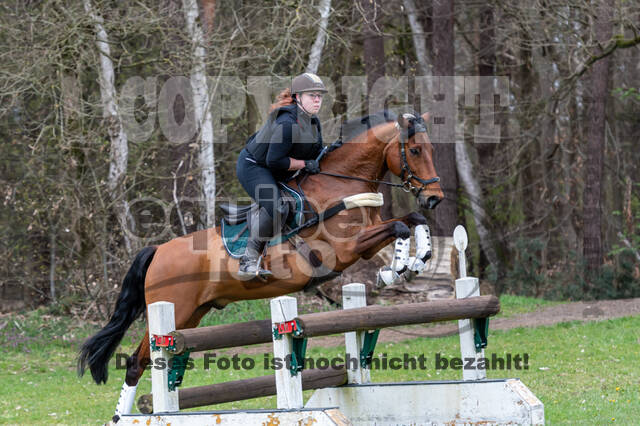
[
  {"x": 397, "y": 185},
  {"x": 406, "y": 184}
]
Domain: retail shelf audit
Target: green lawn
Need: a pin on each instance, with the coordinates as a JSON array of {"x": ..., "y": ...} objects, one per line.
[{"x": 584, "y": 373}]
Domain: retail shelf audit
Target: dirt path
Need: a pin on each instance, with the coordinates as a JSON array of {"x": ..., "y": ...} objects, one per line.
[{"x": 574, "y": 311}]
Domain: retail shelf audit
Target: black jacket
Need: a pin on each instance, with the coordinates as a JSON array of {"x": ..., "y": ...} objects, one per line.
[{"x": 286, "y": 134}]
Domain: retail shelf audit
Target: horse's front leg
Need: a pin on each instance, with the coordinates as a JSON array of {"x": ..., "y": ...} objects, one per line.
[
  {"x": 373, "y": 238},
  {"x": 412, "y": 219}
]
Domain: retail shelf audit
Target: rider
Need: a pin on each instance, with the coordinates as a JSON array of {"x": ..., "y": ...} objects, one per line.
[{"x": 290, "y": 140}]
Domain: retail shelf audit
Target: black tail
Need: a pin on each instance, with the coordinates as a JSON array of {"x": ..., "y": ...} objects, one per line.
[{"x": 98, "y": 349}]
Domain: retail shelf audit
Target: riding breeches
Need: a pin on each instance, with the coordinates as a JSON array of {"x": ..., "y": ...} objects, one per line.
[{"x": 260, "y": 184}]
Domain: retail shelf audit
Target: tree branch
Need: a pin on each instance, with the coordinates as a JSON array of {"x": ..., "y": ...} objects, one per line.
[
  {"x": 618, "y": 42},
  {"x": 628, "y": 244}
]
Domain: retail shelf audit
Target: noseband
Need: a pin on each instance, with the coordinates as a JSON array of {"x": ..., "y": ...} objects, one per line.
[{"x": 416, "y": 125}]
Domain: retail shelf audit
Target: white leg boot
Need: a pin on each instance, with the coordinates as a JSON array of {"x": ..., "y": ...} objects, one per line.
[{"x": 125, "y": 402}]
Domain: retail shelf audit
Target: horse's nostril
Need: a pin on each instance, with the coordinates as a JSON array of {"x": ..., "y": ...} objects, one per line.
[{"x": 433, "y": 201}]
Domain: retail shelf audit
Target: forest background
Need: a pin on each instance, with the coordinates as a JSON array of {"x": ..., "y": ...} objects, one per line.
[{"x": 89, "y": 174}]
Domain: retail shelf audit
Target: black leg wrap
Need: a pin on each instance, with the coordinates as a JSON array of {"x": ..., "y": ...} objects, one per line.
[
  {"x": 131, "y": 377},
  {"x": 400, "y": 230},
  {"x": 416, "y": 218}
]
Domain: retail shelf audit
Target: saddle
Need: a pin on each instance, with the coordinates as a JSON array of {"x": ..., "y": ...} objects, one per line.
[{"x": 235, "y": 228}]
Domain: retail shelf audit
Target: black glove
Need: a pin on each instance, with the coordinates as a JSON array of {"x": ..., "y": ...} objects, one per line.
[{"x": 311, "y": 166}]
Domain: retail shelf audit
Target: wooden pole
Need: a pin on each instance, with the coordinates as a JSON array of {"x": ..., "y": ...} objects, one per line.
[
  {"x": 373, "y": 317},
  {"x": 325, "y": 323},
  {"x": 239, "y": 390},
  {"x": 222, "y": 336}
]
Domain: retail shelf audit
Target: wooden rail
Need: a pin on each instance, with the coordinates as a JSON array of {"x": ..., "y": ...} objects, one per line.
[
  {"x": 325, "y": 323},
  {"x": 239, "y": 390}
]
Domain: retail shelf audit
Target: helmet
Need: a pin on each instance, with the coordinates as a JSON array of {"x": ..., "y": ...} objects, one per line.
[{"x": 307, "y": 82}]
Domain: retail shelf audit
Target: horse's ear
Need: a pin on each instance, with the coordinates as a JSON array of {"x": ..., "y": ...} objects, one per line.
[
  {"x": 426, "y": 116},
  {"x": 402, "y": 122}
]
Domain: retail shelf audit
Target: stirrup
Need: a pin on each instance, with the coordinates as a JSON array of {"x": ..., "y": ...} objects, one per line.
[{"x": 252, "y": 269}]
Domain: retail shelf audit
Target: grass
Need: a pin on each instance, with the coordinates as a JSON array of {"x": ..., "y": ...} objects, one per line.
[
  {"x": 511, "y": 305},
  {"x": 238, "y": 312},
  {"x": 585, "y": 373},
  {"x": 248, "y": 311}
]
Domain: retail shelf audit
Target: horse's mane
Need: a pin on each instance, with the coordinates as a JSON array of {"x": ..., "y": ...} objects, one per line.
[{"x": 352, "y": 128}]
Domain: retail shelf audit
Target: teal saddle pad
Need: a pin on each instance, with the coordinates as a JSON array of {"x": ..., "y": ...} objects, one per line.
[{"x": 234, "y": 237}]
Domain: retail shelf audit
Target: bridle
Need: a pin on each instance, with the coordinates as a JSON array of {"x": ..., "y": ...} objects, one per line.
[{"x": 416, "y": 125}]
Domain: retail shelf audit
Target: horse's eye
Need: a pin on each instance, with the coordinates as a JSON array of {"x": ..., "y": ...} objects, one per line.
[{"x": 415, "y": 151}]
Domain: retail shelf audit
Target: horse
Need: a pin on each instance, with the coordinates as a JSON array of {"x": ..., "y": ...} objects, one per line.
[{"x": 195, "y": 273}]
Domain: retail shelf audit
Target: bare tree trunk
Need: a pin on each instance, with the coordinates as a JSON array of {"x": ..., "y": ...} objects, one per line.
[
  {"x": 119, "y": 147},
  {"x": 316, "y": 49},
  {"x": 201, "y": 105},
  {"x": 486, "y": 65},
  {"x": 373, "y": 42},
  {"x": 425, "y": 17},
  {"x": 52, "y": 264},
  {"x": 485, "y": 151},
  {"x": 465, "y": 171},
  {"x": 593, "y": 252},
  {"x": 464, "y": 165},
  {"x": 528, "y": 174},
  {"x": 567, "y": 163},
  {"x": 445, "y": 156},
  {"x": 176, "y": 200},
  {"x": 418, "y": 35},
  {"x": 208, "y": 14},
  {"x": 374, "y": 61}
]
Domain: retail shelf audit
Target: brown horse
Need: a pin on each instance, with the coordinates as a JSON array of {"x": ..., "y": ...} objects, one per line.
[{"x": 195, "y": 273}]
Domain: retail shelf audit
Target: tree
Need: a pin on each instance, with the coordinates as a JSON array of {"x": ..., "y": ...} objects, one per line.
[
  {"x": 418, "y": 37},
  {"x": 445, "y": 157},
  {"x": 599, "y": 80},
  {"x": 321, "y": 37},
  {"x": 119, "y": 145},
  {"x": 201, "y": 105},
  {"x": 374, "y": 60},
  {"x": 68, "y": 169}
]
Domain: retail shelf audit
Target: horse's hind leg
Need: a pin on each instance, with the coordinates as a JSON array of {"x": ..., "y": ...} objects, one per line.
[
  {"x": 140, "y": 359},
  {"x": 136, "y": 364}
]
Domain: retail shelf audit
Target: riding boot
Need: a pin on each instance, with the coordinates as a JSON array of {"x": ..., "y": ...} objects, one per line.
[{"x": 260, "y": 232}]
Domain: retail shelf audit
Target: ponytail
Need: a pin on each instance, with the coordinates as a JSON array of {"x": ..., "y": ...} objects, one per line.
[{"x": 283, "y": 99}]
